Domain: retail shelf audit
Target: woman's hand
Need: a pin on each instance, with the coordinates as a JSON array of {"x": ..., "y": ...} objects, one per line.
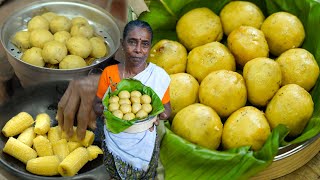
[
  {"x": 97, "y": 106},
  {"x": 167, "y": 112},
  {"x": 78, "y": 101},
  {"x": 162, "y": 116}
]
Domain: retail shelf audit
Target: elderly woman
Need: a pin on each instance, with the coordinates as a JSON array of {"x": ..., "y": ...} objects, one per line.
[
  {"x": 123, "y": 157},
  {"x": 79, "y": 98}
]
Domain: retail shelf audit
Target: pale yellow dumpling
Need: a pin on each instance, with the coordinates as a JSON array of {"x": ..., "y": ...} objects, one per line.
[
  {"x": 124, "y": 94},
  {"x": 247, "y": 126},
  {"x": 199, "y": 26},
  {"x": 283, "y": 31},
  {"x": 292, "y": 106},
  {"x": 125, "y": 108},
  {"x": 240, "y": 13},
  {"x": 60, "y": 23},
  {"x": 136, "y": 107},
  {"x": 114, "y": 106},
  {"x": 99, "y": 49},
  {"x": 145, "y": 99},
  {"x": 124, "y": 101},
  {"x": 146, "y": 107},
  {"x": 39, "y": 37},
  {"x": 72, "y": 62},
  {"x": 263, "y": 79},
  {"x": 114, "y": 99},
  {"x": 118, "y": 114},
  {"x": 224, "y": 91},
  {"x": 49, "y": 16},
  {"x": 298, "y": 66},
  {"x": 170, "y": 55},
  {"x": 79, "y": 46},
  {"x": 128, "y": 116},
  {"x": 21, "y": 40},
  {"x": 135, "y": 93},
  {"x": 199, "y": 124},
  {"x": 135, "y": 99},
  {"x": 184, "y": 90},
  {"x": 247, "y": 43},
  {"x": 79, "y": 20},
  {"x": 38, "y": 22},
  {"x": 82, "y": 30},
  {"x": 207, "y": 58},
  {"x": 33, "y": 56},
  {"x": 141, "y": 114},
  {"x": 54, "y": 51},
  {"x": 62, "y": 36}
]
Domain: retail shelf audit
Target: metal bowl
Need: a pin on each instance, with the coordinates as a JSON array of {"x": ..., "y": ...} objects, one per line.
[
  {"x": 42, "y": 98},
  {"x": 100, "y": 19}
]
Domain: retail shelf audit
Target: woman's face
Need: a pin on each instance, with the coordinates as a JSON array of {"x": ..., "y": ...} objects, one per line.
[{"x": 137, "y": 45}]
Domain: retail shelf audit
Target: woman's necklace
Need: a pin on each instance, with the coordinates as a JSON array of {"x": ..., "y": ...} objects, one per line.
[{"x": 125, "y": 74}]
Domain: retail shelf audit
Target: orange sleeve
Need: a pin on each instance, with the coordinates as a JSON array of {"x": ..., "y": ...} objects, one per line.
[
  {"x": 109, "y": 76},
  {"x": 166, "y": 97}
]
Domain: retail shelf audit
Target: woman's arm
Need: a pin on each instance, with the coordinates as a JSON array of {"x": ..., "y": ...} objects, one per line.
[
  {"x": 163, "y": 116},
  {"x": 167, "y": 112},
  {"x": 77, "y": 101}
]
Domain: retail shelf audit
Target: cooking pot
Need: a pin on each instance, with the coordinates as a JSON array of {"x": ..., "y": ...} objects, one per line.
[
  {"x": 100, "y": 19},
  {"x": 43, "y": 98}
]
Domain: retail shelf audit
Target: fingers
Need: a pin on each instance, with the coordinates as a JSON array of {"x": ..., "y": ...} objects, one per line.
[
  {"x": 163, "y": 115},
  {"x": 70, "y": 112},
  {"x": 83, "y": 118},
  {"x": 78, "y": 98},
  {"x": 92, "y": 122},
  {"x": 61, "y": 106},
  {"x": 156, "y": 122},
  {"x": 59, "y": 115},
  {"x": 98, "y": 109},
  {"x": 151, "y": 129}
]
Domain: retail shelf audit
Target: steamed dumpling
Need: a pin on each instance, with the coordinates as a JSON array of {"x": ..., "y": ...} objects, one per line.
[
  {"x": 38, "y": 22},
  {"x": 21, "y": 40},
  {"x": 82, "y": 30},
  {"x": 99, "y": 48},
  {"x": 62, "y": 36},
  {"x": 79, "y": 46},
  {"x": 72, "y": 62},
  {"x": 60, "y": 23},
  {"x": 39, "y": 37},
  {"x": 54, "y": 51},
  {"x": 33, "y": 56}
]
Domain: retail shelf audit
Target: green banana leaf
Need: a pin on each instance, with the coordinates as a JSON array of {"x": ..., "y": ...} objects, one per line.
[
  {"x": 184, "y": 160},
  {"x": 117, "y": 125}
]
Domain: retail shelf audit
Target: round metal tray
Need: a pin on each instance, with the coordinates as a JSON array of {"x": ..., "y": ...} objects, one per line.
[
  {"x": 102, "y": 22},
  {"x": 290, "y": 158},
  {"x": 35, "y": 100}
]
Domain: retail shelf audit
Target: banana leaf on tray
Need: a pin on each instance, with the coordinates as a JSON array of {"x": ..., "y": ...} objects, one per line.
[
  {"x": 184, "y": 160},
  {"x": 117, "y": 125}
]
